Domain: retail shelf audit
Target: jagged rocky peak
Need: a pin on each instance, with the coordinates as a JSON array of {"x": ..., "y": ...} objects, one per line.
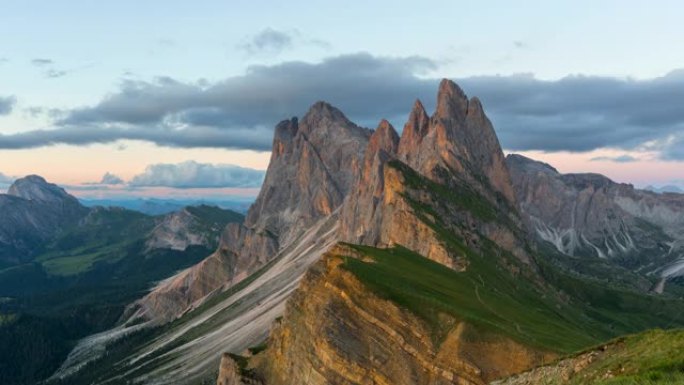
[
  {"x": 283, "y": 136},
  {"x": 458, "y": 149},
  {"x": 36, "y": 188},
  {"x": 384, "y": 138},
  {"x": 313, "y": 165},
  {"x": 458, "y": 137},
  {"x": 452, "y": 102},
  {"x": 323, "y": 116}
]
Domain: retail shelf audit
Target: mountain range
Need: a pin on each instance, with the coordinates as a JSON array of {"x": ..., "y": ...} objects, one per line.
[
  {"x": 426, "y": 257},
  {"x": 67, "y": 271}
]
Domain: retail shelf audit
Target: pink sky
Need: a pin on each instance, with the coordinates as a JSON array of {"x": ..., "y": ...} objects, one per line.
[{"x": 647, "y": 170}]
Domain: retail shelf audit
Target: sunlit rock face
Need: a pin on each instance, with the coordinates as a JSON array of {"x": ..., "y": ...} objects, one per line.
[
  {"x": 313, "y": 165},
  {"x": 456, "y": 148},
  {"x": 336, "y": 332}
]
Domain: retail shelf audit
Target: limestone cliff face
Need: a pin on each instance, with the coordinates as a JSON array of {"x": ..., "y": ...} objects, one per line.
[
  {"x": 456, "y": 149},
  {"x": 588, "y": 214},
  {"x": 336, "y": 331},
  {"x": 313, "y": 165},
  {"x": 458, "y": 137}
]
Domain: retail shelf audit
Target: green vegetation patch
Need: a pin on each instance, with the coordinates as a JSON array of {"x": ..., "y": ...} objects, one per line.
[
  {"x": 485, "y": 296},
  {"x": 650, "y": 358},
  {"x": 460, "y": 195},
  {"x": 76, "y": 264}
]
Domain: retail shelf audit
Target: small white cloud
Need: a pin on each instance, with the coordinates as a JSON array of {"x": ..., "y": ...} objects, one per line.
[{"x": 111, "y": 179}]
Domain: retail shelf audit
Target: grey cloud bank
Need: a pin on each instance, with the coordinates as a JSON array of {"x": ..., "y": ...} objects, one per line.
[
  {"x": 191, "y": 174},
  {"x": 576, "y": 113}
]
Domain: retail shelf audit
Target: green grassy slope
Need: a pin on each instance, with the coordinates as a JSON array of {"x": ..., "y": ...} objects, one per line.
[
  {"x": 655, "y": 357},
  {"x": 652, "y": 358},
  {"x": 541, "y": 306}
]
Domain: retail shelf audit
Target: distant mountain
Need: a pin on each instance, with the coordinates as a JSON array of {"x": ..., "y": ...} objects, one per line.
[
  {"x": 31, "y": 213},
  {"x": 665, "y": 189},
  {"x": 156, "y": 206},
  {"x": 629, "y": 235},
  {"x": 373, "y": 258},
  {"x": 67, "y": 270}
]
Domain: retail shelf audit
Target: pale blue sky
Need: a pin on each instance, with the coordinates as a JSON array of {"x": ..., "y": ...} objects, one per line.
[
  {"x": 189, "y": 40},
  {"x": 70, "y": 54}
]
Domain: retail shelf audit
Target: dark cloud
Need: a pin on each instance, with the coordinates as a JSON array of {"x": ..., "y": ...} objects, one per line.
[
  {"x": 617, "y": 159},
  {"x": 581, "y": 113},
  {"x": 42, "y": 62},
  {"x": 672, "y": 147},
  {"x": 257, "y": 138},
  {"x": 576, "y": 113},
  {"x": 364, "y": 86},
  {"x": 268, "y": 41},
  {"x": 7, "y": 104},
  {"x": 111, "y": 179},
  {"x": 191, "y": 174}
]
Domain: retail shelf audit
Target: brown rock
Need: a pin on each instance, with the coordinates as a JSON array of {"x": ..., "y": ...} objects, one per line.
[
  {"x": 313, "y": 165},
  {"x": 336, "y": 331}
]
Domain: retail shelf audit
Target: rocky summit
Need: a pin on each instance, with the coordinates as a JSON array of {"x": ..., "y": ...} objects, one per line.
[
  {"x": 34, "y": 211},
  {"x": 373, "y": 257}
]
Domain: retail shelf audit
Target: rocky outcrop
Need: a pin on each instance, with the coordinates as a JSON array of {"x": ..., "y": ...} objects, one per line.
[
  {"x": 313, "y": 165},
  {"x": 458, "y": 137},
  {"x": 32, "y": 212},
  {"x": 191, "y": 226},
  {"x": 590, "y": 215},
  {"x": 449, "y": 158},
  {"x": 336, "y": 331},
  {"x": 178, "y": 231},
  {"x": 230, "y": 373}
]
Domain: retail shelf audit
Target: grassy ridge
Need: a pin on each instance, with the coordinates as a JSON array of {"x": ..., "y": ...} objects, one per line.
[
  {"x": 655, "y": 357},
  {"x": 484, "y": 297},
  {"x": 498, "y": 293},
  {"x": 651, "y": 358}
]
